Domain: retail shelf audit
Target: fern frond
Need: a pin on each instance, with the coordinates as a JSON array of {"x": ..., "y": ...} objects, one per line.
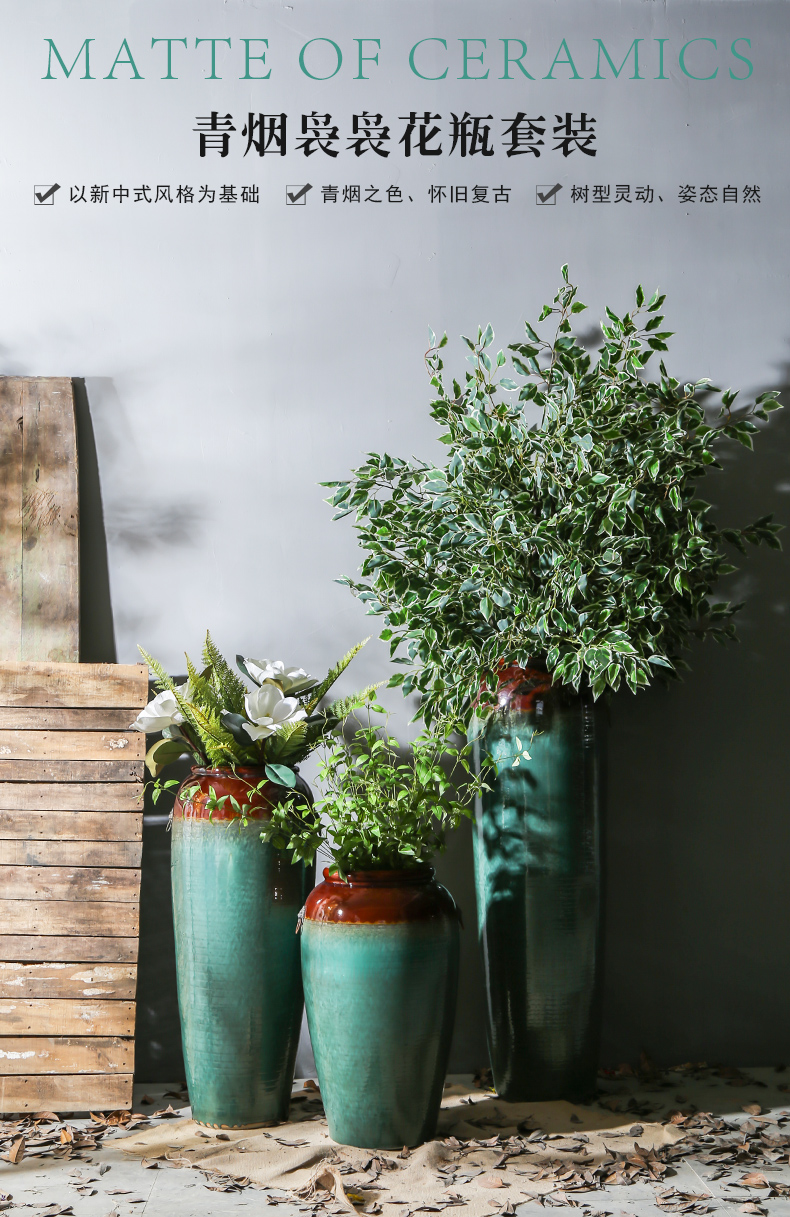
[
  {"x": 289, "y": 743},
  {"x": 333, "y": 674},
  {"x": 229, "y": 687},
  {"x": 347, "y": 705},
  {"x": 201, "y": 688},
  {"x": 163, "y": 681},
  {"x": 219, "y": 743}
]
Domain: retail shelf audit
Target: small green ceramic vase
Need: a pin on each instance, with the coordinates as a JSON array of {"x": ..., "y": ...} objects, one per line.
[
  {"x": 539, "y": 888},
  {"x": 380, "y": 968},
  {"x": 236, "y": 904}
]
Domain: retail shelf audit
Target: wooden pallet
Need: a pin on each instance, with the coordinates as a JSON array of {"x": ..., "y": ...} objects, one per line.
[
  {"x": 39, "y": 520},
  {"x": 70, "y": 847}
]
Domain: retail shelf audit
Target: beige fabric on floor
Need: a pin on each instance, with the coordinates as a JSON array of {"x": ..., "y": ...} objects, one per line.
[{"x": 300, "y": 1156}]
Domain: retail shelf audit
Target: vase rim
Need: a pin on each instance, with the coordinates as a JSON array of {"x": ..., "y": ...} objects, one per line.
[
  {"x": 227, "y": 770},
  {"x": 383, "y": 878}
]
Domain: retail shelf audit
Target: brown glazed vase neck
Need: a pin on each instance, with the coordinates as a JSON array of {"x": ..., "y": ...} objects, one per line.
[
  {"x": 384, "y": 897},
  {"x": 238, "y": 784},
  {"x": 521, "y": 689}
]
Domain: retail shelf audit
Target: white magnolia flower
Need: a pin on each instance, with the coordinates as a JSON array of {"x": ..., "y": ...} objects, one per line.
[
  {"x": 290, "y": 680},
  {"x": 162, "y": 712},
  {"x": 269, "y": 710}
]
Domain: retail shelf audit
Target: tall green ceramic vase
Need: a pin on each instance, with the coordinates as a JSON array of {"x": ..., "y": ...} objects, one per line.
[
  {"x": 236, "y": 904},
  {"x": 539, "y": 888},
  {"x": 380, "y": 966}
]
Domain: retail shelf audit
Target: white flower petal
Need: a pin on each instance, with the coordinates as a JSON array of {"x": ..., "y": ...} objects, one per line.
[
  {"x": 261, "y": 703},
  {"x": 261, "y": 730},
  {"x": 264, "y": 669},
  {"x": 161, "y": 712},
  {"x": 294, "y": 680},
  {"x": 285, "y": 709}
]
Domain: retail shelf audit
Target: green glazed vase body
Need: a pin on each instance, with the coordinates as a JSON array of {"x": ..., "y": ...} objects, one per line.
[
  {"x": 380, "y": 968},
  {"x": 236, "y": 904},
  {"x": 539, "y": 888}
]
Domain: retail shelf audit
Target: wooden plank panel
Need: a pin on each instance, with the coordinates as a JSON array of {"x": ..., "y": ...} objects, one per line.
[
  {"x": 76, "y": 1092},
  {"x": 39, "y": 549},
  {"x": 71, "y": 685},
  {"x": 71, "y": 796},
  {"x": 72, "y": 745},
  {"x": 32, "y": 947},
  {"x": 69, "y": 917},
  {"x": 70, "y": 826},
  {"x": 42, "y": 1016},
  {"x": 71, "y": 771},
  {"x": 108, "y": 981},
  {"x": 11, "y": 445},
  {"x": 50, "y": 522},
  {"x": 69, "y": 883},
  {"x": 69, "y": 1054},
  {"x": 34, "y": 718},
  {"x": 70, "y": 853}
]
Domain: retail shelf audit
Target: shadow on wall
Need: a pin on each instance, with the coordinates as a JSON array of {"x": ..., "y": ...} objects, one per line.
[
  {"x": 158, "y": 1055},
  {"x": 97, "y": 631},
  {"x": 141, "y": 519},
  {"x": 698, "y": 931}
]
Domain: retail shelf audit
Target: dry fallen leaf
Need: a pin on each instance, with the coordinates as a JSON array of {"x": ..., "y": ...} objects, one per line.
[
  {"x": 750, "y": 1207},
  {"x": 755, "y": 1179},
  {"x": 17, "y": 1151},
  {"x": 752, "y": 1109},
  {"x": 491, "y": 1181}
]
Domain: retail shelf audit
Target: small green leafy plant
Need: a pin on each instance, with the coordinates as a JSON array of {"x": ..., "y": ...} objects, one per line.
[
  {"x": 565, "y": 522},
  {"x": 221, "y": 723},
  {"x": 381, "y": 809}
]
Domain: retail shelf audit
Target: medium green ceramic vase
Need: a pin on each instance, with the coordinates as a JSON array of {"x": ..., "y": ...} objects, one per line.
[
  {"x": 236, "y": 904},
  {"x": 539, "y": 888},
  {"x": 380, "y": 967}
]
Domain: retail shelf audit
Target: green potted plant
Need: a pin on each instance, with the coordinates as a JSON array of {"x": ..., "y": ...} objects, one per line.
[
  {"x": 380, "y": 935},
  {"x": 560, "y": 549},
  {"x": 235, "y": 901}
]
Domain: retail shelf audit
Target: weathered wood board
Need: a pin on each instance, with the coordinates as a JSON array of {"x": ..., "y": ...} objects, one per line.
[
  {"x": 111, "y": 980},
  {"x": 71, "y": 771},
  {"x": 69, "y": 883},
  {"x": 55, "y": 917},
  {"x": 45, "y": 1016},
  {"x": 70, "y": 796},
  {"x": 35, "y": 718},
  {"x": 74, "y": 1092},
  {"x": 70, "y": 851},
  {"x": 59, "y": 826},
  {"x": 92, "y": 1054},
  {"x": 91, "y": 685},
  {"x": 39, "y": 520},
  {"x": 66, "y": 947}
]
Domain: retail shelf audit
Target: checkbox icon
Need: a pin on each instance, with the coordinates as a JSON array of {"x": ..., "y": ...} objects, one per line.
[
  {"x": 546, "y": 196},
  {"x": 296, "y": 196},
  {"x": 44, "y": 196}
]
